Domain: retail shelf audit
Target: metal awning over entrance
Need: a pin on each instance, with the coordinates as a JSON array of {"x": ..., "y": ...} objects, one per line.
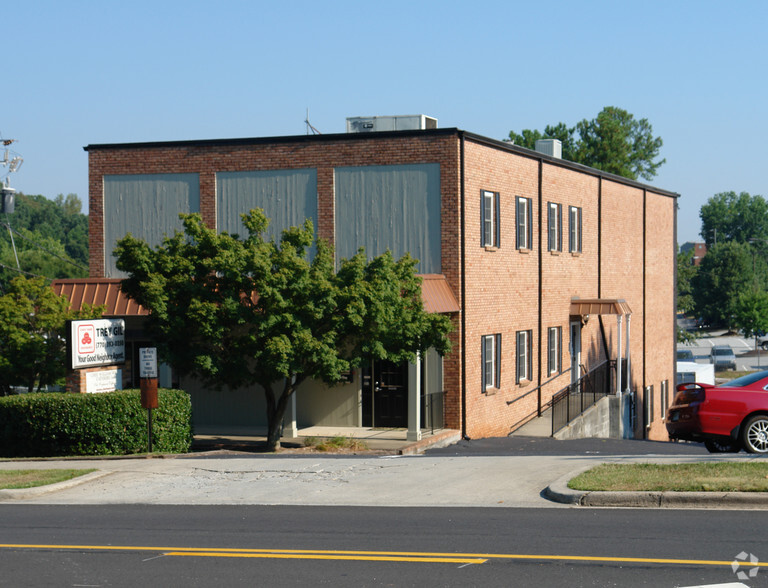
[{"x": 584, "y": 307}]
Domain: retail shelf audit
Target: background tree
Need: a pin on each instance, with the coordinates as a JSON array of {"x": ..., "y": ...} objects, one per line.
[
  {"x": 685, "y": 303},
  {"x": 685, "y": 274},
  {"x": 32, "y": 334},
  {"x": 751, "y": 313},
  {"x": 728, "y": 216},
  {"x": 242, "y": 311},
  {"x": 51, "y": 238},
  {"x": 727, "y": 271},
  {"x": 614, "y": 142}
]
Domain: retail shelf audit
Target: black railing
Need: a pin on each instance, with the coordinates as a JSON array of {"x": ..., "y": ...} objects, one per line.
[{"x": 572, "y": 401}]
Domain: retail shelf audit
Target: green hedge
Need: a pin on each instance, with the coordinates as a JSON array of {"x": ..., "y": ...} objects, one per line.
[{"x": 46, "y": 425}]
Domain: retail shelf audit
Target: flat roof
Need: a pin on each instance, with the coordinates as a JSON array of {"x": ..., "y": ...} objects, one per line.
[{"x": 376, "y": 135}]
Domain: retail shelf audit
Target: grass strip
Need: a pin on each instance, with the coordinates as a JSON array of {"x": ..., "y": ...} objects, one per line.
[
  {"x": 685, "y": 477},
  {"x": 17, "y": 479}
]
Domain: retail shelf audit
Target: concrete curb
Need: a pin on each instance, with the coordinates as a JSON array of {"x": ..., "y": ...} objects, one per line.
[
  {"x": 22, "y": 493},
  {"x": 443, "y": 439},
  {"x": 558, "y": 491}
]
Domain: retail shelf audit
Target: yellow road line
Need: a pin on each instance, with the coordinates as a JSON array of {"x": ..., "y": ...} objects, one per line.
[
  {"x": 412, "y": 558},
  {"x": 383, "y": 555}
]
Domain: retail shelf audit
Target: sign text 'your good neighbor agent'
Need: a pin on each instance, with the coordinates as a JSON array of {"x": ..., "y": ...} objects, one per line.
[{"x": 97, "y": 342}]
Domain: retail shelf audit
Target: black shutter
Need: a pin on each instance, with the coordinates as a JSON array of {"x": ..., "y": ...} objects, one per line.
[
  {"x": 482, "y": 363},
  {"x": 498, "y": 360},
  {"x": 482, "y": 220}
]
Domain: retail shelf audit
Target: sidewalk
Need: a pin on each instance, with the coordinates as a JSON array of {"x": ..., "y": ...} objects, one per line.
[
  {"x": 384, "y": 440},
  {"x": 232, "y": 477}
]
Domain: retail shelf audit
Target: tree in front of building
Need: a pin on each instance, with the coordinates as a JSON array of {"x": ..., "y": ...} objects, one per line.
[
  {"x": 32, "y": 334},
  {"x": 238, "y": 311},
  {"x": 614, "y": 141}
]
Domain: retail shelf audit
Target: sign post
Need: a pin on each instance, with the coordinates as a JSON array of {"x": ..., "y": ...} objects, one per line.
[{"x": 148, "y": 378}]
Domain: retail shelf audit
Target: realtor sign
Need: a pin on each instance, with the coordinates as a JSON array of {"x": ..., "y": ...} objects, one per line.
[{"x": 97, "y": 342}]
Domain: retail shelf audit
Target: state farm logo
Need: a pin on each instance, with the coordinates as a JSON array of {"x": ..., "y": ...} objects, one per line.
[{"x": 86, "y": 339}]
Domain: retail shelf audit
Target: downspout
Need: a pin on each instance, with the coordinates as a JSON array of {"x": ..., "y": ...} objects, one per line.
[
  {"x": 606, "y": 350},
  {"x": 541, "y": 285},
  {"x": 463, "y": 310},
  {"x": 674, "y": 287}
]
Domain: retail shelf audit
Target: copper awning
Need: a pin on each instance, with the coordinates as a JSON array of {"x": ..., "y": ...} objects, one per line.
[
  {"x": 585, "y": 306},
  {"x": 98, "y": 292},
  {"x": 435, "y": 292}
]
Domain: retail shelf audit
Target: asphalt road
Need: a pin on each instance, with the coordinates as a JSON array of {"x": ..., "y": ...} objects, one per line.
[{"x": 130, "y": 545}]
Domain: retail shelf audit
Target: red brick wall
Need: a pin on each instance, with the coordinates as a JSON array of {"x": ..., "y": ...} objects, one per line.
[
  {"x": 660, "y": 332},
  {"x": 324, "y": 155},
  {"x": 502, "y": 284},
  {"x": 618, "y": 260}
]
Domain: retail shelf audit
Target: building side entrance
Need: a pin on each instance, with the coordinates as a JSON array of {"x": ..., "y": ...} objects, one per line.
[{"x": 385, "y": 395}]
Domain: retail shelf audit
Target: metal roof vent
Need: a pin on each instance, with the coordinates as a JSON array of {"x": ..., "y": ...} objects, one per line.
[
  {"x": 406, "y": 122},
  {"x": 552, "y": 147}
]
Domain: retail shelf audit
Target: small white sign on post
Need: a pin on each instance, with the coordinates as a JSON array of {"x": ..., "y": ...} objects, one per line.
[
  {"x": 148, "y": 362},
  {"x": 103, "y": 381}
]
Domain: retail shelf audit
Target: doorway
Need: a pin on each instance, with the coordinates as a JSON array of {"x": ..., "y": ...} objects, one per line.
[
  {"x": 385, "y": 395},
  {"x": 575, "y": 351}
]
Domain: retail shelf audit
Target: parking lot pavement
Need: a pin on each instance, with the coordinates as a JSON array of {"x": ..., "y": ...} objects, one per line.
[{"x": 747, "y": 358}]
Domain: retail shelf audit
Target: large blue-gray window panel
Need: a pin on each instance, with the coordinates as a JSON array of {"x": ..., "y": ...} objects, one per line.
[
  {"x": 147, "y": 206},
  {"x": 394, "y": 207},
  {"x": 288, "y": 197}
]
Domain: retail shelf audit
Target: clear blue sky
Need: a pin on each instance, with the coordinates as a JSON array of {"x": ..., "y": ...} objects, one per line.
[{"x": 102, "y": 71}]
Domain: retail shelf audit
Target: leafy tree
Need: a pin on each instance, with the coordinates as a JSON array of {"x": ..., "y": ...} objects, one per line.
[
  {"x": 614, "y": 142},
  {"x": 728, "y": 216},
  {"x": 685, "y": 274},
  {"x": 725, "y": 273},
  {"x": 32, "y": 329},
  {"x": 751, "y": 313},
  {"x": 238, "y": 311},
  {"x": 50, "y": 237}
]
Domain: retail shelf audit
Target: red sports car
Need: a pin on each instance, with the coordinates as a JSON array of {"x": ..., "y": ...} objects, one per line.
[{"x": 726, "y": 418}]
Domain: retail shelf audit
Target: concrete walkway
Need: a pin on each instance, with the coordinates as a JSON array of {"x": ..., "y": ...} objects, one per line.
[
  {"x": 385, "y": 440},
  {"x": 231, "y": 477}
]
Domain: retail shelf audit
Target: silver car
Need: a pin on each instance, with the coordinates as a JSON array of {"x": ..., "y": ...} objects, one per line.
[{"x": 723, "y": 358}]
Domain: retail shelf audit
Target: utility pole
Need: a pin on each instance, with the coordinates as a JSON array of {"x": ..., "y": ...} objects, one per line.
[{"x": 12, "y": 161}]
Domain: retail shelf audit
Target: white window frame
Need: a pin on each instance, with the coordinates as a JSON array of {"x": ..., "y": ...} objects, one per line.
[
  {"x": 524, "y": 365},
  {"x": 524, "y": 222},
  {"x": 554, "y": 350},
  {"x": 490, "y": 228},
  {"x": 491, "y": 362},
  {"x": 555, "y": 227},
  {"x": 574, "y": 229}
]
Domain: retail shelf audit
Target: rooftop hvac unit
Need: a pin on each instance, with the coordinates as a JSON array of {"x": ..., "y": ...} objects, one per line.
[
  {"x": 553, "y": 147},
  {"x": 406, "y": 122}
]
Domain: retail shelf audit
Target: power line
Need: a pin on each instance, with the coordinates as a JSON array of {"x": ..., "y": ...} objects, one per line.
[{"x": 21, "y": 271}]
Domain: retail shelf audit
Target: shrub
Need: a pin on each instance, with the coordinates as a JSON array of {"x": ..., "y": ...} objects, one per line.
[{"x": 47, "y": 425}]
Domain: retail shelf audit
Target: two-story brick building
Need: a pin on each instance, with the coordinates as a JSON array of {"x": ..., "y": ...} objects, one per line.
[{"x": 547, "y": 268}]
